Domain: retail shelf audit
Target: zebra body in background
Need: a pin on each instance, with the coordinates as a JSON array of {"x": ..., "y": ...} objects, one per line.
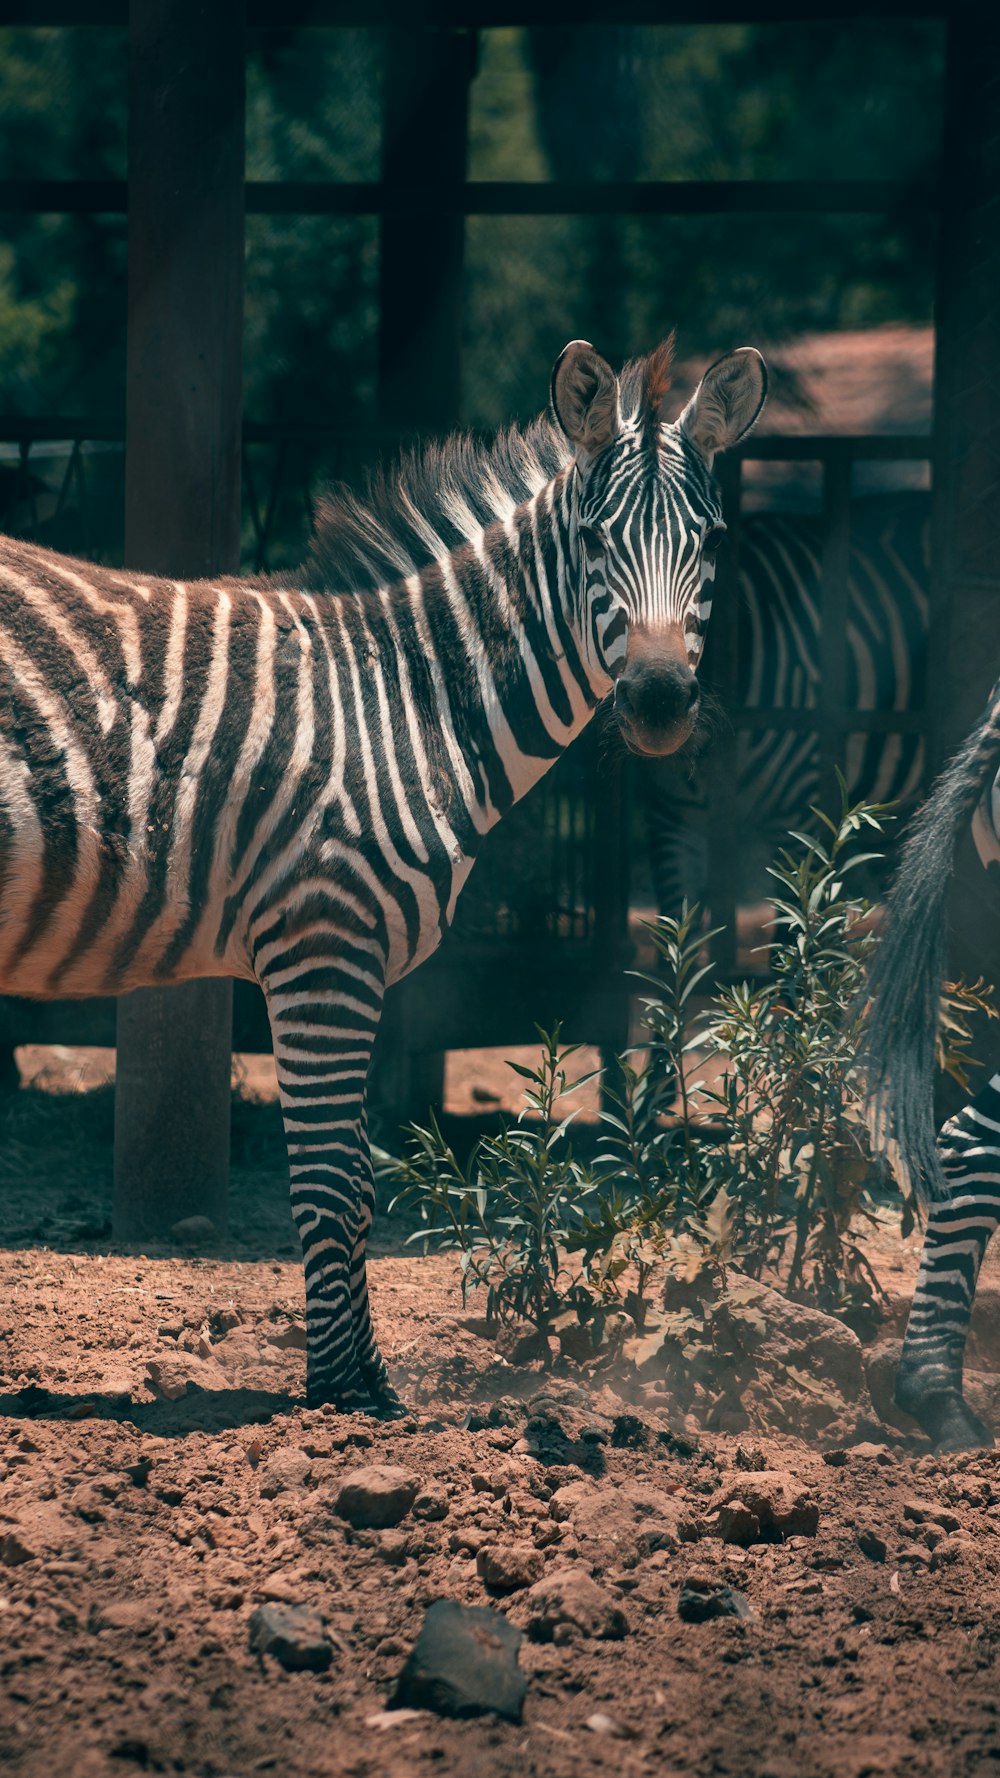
[
  {"x": 779, "y": 667},
  {"x": 958, "y": 1174},
  {"x": 289, "y": 780}
]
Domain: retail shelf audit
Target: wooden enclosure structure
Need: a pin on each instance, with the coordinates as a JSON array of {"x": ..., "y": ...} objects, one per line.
[{"x": 487, "y": 987}]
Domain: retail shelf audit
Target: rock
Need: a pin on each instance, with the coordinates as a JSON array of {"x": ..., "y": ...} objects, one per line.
[
  {"x": 871, "y": 1543},
  {"x": 14, "y": 1550},
  {"x": 506, "y": 1568},
  {"x": 620, "y": 1523},
  {"x": 735, "y": 1523},
  {"x": 810, "y": 1341},
  {"x": 286, "y": 1468},
  {"x": 293, "y": 1635},
  {"x": 600, "y": 1724},
  {"x": 776, "y": 1499},
  {"x": 700, "y": 1600},
  {"x": 431, "y": 1502},
  {"x": 571, "y": 1598},
  {"x": 194, "y": 1231},
  {"x": 171, "y": 1377},
  {"x": 376, "y": 1497},
  {"x": 292, "y": 1338},
  {"x": 931, "y": 1512},
  {"x": 464, "y": 1663}
]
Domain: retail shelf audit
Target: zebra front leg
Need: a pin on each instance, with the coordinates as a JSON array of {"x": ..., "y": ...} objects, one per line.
[
  {"x": 371, "y": 1363},
  {"x": 324, "y": 1020},
  {"x": 959, "y": 1229}
]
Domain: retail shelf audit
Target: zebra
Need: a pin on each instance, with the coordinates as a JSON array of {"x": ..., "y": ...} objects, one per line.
[
  {"x": 958, "y": 1175},
  {"x": 779, "y": 667},
  {"x": 288, "y": 779}
]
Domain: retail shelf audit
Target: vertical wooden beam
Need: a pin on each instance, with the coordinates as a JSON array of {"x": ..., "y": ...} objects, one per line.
[
  {"x": 966, "y": 521},
  {"x": 425, "y": 132},
  {"x": 182, "y": 518},
  {"x": 425, "y": 136}
]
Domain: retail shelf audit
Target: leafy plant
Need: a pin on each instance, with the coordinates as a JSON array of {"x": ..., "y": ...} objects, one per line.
[
  {"x": 733, "y": 1146},
  {"x": 513, "y": 1205}
]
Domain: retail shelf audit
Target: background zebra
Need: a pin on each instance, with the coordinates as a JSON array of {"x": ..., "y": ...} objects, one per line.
[
  {"x": 289, "y": 780},
  {"x": 779, "y": 667},
  {"x": 960, "y": 1173}
]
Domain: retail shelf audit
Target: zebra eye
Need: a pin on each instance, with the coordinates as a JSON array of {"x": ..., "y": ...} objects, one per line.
[
  {"x": 712, "y": 539},
  {"x": 592, "y": 535}
]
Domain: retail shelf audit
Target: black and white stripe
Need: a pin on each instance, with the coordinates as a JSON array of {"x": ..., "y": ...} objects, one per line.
[
  {"x": 289, "y": 780},
  {"x": 959, "y": 1171},
  {"x": 780, "y": 666}
]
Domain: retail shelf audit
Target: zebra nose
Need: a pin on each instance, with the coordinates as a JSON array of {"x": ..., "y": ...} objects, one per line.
[{"x": 656, "y": 694}]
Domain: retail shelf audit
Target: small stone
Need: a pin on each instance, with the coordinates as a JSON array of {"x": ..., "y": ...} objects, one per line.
[
  {"x": 599, "y": 1724},
  {"x": 836, "y": 1459},
  {"x": 570, "y": 1598},
  {"x": 285, "y": 1469},
  {"x": 376, "y": 1497},
  {"x": 294, "y": 1636},
  {"x": 172, "y": 1377},
  {"x": 464, "y": 1663},
  {"x": 778, "y": 1501},
  {"x": 698, "y": 1603},
  {"x": 14, "y": 1550},
  {"x": 871, "y": 1543},
  {"x": 506, "y": 1568},
  {"x": 914, "y": 1555},
  {"x": 194, "y": 1231},
  {"x": 431, "y": 1502},
  {"x": 292, "y": 1338},
  {"x": 931, "y": 1512},
  {"x": 735, "y": 1523}
]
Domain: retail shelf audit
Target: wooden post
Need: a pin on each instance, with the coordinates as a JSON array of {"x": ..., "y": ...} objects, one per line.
[
  {"x": 966, "y": 559},
  {"x": 182, "y": 518},
  {"x": 425, "y": 131}
]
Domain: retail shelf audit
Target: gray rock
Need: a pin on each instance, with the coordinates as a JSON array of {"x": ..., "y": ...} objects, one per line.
[
  {"x": 697, "y": 1603},
  {"x": 293, "y": 1635},
  {"x": 376, "y": 1496},
  {"x": 570, "y": 1599},
  {"x": 464, "y": 1663},
  {"x": 194, "y": 1231}
]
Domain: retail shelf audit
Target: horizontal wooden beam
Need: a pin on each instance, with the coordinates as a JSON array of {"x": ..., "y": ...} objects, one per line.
[
  {"x": 878, "y": 447},
  {"x": 282, "y": 14},
  {"x": 703, "y": 197}
]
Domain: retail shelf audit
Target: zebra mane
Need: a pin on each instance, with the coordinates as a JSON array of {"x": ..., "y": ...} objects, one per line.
[
  {"x": 429, "y": 502},
  {"x": 440, "y": 495}
]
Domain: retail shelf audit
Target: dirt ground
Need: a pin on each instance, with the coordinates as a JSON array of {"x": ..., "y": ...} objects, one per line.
[{"x": 139, "y": 1533}]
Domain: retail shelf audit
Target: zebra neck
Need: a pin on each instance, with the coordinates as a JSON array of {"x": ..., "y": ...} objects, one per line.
[{"x": 518, "y": 686}]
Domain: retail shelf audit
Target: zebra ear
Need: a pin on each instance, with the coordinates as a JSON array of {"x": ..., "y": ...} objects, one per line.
[
  {"x": 584, "y": 395},
  {"x": 726, "y": 402}
]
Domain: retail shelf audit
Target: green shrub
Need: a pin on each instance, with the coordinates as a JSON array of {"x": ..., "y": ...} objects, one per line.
[{"x": 733, "y": 1145}]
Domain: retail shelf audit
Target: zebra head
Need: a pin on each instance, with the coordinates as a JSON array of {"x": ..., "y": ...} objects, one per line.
[{"x": 649, "y": 518}]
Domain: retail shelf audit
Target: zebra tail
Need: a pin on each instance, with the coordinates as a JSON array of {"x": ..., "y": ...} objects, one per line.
[{"x": 908, "y": 967}]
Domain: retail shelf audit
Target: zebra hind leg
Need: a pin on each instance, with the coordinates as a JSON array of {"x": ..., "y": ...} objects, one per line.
[{"x": 959, "y": 1229}]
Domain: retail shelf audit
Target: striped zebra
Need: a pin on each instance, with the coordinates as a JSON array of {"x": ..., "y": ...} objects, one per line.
[
  {"x": 288, "y": 780},
  {"x": 780, "y": 666},
  {"x": 958, "y": 1174}
]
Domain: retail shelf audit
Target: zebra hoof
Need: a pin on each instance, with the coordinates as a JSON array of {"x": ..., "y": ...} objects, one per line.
[
  {"x": 948, "y": 1421},
  {"x": 388, "y": 1405}
]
